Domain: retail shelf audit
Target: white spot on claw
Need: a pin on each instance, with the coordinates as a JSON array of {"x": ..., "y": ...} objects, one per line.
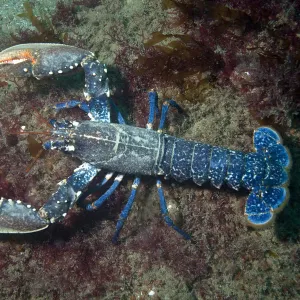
[
  {"x": 63, "y": 182},
  {"x": 91, "y": 117},
  {"x": 25, "y": 70},
  {"x": 75, "y": 123},
  {"x": 71, "y": 67},
  {"x": 50, "y": 73},
  {"x": 70, "y": 148},
  {"x": 59, "y": 71},
  {"x": 64, "y": 214}
]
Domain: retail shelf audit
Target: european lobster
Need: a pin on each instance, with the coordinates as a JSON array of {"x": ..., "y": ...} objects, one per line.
[{"x": 125, "y": 149}]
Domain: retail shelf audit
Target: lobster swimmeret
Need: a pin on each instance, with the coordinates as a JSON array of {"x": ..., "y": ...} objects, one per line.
[{"x": 125, "y": 149}]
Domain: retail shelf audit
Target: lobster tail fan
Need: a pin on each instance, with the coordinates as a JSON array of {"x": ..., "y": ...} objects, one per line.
[
  {"x": 271, "y": 196},
  {"x": 269, "y": 143},
  {"x": 263, "y": 203}
]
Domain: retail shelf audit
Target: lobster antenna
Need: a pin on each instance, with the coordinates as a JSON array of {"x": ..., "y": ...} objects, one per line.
[
  {"x": 41, "y": 118},
  {"x": 34, "y": 160},
  {"x": 31, "y": 132}
]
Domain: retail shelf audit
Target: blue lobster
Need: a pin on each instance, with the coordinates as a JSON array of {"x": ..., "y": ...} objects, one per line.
[{"x": 125, "y": 149}]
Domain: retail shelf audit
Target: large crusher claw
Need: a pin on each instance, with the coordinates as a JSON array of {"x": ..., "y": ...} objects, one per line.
[
  {"x": 41, "y": 60},
  {"x": 17, "y": 217}
]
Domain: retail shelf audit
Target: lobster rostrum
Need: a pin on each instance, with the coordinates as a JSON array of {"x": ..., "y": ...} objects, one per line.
[{"x": 122, "y": 149}]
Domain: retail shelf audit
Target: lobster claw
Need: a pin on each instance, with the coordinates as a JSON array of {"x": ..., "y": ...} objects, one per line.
[
  {"x": 41, "y": 60},
  {"x": 16, "y": 217}
]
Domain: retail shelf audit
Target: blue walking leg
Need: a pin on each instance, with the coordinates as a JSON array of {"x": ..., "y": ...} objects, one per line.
[
  {"x": 153, "y": 103},
  {"x": 153, "y": 108},
  {"x": 63, "y": 124},
  {"x": 165, "y": 213},
  {"x": 96, "y": 204},
  {"x": 164, "y": 112},
  {"x": 126, "y": 210},
  {"x": 71, "y": 104},
  {"x": 106, "y": 178},
  {"x": 94, "y": 189},
  {"x": 120, "y": 117}
]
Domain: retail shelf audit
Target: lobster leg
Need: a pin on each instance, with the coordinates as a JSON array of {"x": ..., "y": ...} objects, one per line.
[
  {"x": 96, "y": 204},
  {"x": 152, "y": 98},
  {"x": 153, "y": 111},
  {"x": 71, "y": 104},
  {"x": 42, "y": 60},
  {"x": 17, "y": 217},
  {"x": 97, "y": 107},
  {"x": 153, "y": 108},
  {"x": 165, "y": 213},
  {"x": 58, "y": 205},
  {"x": 126, "y": 210},
  {"x": 164, "y": 112}
]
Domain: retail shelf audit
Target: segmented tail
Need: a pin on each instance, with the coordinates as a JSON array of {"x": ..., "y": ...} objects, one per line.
[{"x": 270, "y": 196}]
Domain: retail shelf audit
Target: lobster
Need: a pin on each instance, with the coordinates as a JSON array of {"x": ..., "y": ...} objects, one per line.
[{"x": 123, "y": 149}]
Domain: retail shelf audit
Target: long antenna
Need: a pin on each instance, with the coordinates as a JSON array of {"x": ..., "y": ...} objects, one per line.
[
  {"x": 34, "y": 160},
  {"x": 30, "y": 132},
  {"x": 41, "y": 118}
]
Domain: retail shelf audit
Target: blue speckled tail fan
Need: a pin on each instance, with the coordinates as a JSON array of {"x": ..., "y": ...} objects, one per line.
[{"x": 266, "y": 199}]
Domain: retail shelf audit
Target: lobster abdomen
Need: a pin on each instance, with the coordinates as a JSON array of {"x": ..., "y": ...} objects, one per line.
[{"x": 200, "y": 162}]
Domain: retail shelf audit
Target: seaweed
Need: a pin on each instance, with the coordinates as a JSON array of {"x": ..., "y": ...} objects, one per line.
[{"x": 45, "y": 30}]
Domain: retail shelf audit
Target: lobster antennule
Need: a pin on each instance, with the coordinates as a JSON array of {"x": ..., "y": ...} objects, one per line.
[{"x": 17, "y": 217}]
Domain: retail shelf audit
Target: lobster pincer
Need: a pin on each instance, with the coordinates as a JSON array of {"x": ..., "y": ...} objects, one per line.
[
  {"x": 45, "y": 60},
  {"x": 41, "y": 60},
  {"x": 17, "y": 217}
]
